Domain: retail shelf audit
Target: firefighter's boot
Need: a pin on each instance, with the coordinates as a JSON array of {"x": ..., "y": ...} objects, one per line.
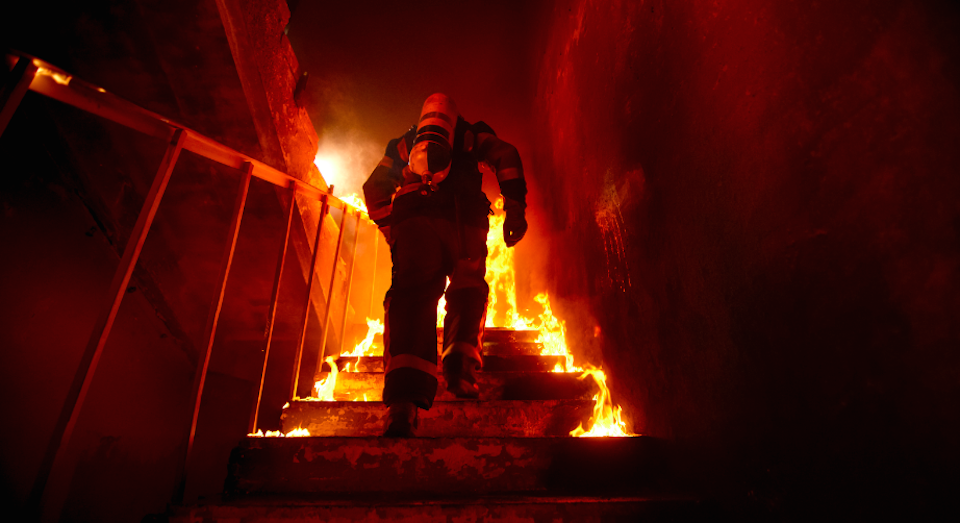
[
  {"x": 402, "y": 420},
  {"x": 460, "y": 372}
]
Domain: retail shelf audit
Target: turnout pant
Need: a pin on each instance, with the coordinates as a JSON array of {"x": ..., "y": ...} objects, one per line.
[{"x": 426, "y": 251}]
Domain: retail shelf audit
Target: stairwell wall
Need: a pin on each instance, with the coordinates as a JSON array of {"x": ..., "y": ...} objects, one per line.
[{"x": 752, "y": 208}]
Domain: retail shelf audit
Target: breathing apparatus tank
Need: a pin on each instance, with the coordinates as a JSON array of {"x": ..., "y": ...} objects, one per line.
[{"x": 431, "y": 155}]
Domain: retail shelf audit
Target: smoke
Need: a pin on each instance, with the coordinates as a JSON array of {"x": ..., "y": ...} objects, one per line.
[{"x": 347, "y": 153}]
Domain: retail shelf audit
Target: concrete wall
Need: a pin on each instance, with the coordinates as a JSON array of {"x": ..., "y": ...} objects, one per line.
[{"x": 757, "y": 205}]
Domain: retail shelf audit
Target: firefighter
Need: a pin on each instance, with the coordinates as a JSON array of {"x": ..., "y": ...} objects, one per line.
[{"x": 426, "y": 197}]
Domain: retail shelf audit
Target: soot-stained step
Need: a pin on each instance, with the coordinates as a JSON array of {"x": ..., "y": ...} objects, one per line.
[
  {"x": 353, "y": 386},
  {"x": 446, "y": 465},
  {"x": 380, "y": 509},
  {"x": 509, "y": 342},
  {"x": 491, "y": 363},
  {"x": 445, "y": 419},
  {"x": 496, "y": 341}
]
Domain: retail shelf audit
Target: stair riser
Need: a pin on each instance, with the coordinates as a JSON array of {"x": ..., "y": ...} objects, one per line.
[
  {"x": 558, "y": 512},
  {"x": 445, "y": 419},
  {"x": 491, "y": 363},
  {"x": 502, "y": 342},
  {"x": 441, "y": 466},
  {"x": 353, "y": 386}
]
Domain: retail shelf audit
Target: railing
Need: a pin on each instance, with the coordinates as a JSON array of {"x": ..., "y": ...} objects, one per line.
[{"x": 30, "y": 73}]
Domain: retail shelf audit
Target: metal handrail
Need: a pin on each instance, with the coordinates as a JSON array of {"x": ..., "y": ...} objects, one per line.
[{"x": 31, "y": 73}]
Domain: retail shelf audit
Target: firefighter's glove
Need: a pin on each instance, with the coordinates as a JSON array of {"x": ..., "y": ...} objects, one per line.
[{"x": 515, "y": 224}]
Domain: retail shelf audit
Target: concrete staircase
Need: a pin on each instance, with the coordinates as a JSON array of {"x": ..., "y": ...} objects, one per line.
[{"x": 505, "y": 457}]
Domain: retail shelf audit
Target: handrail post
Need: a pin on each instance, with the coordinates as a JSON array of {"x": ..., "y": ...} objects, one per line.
[
  {"x": 77, "y": 393},
  {"x": 16, "y": 85},
  {"x": 295, "y": 382},
  {"x": 346, "y": 299},
  {"x": 373, "y": 283},
  {"x": 211, "y": 330},
  {"x": 333, "y": 277},
  {"x": 274, "y": 298}
]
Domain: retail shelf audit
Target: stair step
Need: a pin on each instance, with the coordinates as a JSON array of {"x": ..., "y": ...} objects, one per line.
[
  {"x": 472, "y": 418},
  {"x": 504, "y": 335},
  {"x": 442, "y": 466},
  {"x": 506, "y": 342},
  {"x": 491, "y": 363},
  {"x": 353, "y": 386},
  {"x": 556, "y": 509}
]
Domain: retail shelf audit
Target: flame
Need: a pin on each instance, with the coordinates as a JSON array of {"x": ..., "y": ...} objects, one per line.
[
  {"x": 442, "y": 306},
  {"x": 606, "y": 420},
  {"x": 295, "y": 433},
  {"x": 60, "y": 78},
  {"x": 298, "y": 433},
  {"x": 500, "y": 275},
  {"x": 286, "y": 405},
  {"x": 553, "y": 335},
  {"x": 364, "y": 348},
  {"x": 325, "y": 386},
  {"x": 356, "y": 201}
]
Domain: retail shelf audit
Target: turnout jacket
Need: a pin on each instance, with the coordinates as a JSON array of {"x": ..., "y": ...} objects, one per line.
[{"x": 394, "y": 194}]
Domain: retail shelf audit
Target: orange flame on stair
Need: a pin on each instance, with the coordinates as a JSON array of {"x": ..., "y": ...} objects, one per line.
[
  {"x": 501, "y": 276},
  {"x": 325, "y": 386},
  {"x": 365, "y": 347},
  {"x": 606, "y": 420},
  {"x": 299, "y": 432}
]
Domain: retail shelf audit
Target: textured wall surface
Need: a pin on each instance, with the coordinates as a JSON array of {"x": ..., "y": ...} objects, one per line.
[{"x": 759, "y": 204}]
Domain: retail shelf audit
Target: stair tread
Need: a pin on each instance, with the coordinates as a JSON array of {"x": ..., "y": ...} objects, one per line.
[
  {"x": 506, "y": 418},
  {"x": 445, "y": 465},
  {"x": 491, "y": 363},
  {"x": 493, "y": 386},
  {"x": 449, "y": 509}
]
